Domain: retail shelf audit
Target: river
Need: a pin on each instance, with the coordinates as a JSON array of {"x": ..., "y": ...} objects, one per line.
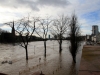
[{"x": 53, "y": 64}]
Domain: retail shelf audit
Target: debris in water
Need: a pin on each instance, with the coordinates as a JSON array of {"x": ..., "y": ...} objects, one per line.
[{"x": 10, "y": 62}]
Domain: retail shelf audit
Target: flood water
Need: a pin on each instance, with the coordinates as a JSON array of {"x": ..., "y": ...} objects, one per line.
[{"x": 53, "y": 64}]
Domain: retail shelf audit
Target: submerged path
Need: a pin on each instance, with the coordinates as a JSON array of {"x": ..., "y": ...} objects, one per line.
[{"x": 90, "y": 61}]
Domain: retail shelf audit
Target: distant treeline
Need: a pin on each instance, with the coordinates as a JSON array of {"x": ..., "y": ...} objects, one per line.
[
  {"x": 81, "y": 38},
  {"x": 6, "y": 37},
  {"x": 33, "y": 38},
  {"x": 9, "y": 38}
]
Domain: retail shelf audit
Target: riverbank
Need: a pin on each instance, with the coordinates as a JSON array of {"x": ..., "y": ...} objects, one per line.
[{"x": 90, "y": 61}]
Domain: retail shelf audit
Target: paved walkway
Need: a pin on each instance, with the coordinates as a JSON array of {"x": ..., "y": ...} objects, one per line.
[{"x": 90, "y": 61}]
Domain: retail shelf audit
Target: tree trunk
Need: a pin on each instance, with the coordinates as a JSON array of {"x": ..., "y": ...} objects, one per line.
[
  {"x": 74, "y": 59},
  {"x": 73, "y": 47},
  {"x": 26, "y": 52},
  {"x": 45, "y": 48},
  {"x": 60, "y": 46}
]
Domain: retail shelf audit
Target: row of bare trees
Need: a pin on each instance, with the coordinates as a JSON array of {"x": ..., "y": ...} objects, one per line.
[
  {"x": 26, "y": 27},
  {"x": 68, "y": 26}
]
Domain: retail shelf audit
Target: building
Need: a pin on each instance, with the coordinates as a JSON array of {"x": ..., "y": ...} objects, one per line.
[
  {"x": 95, "y": 30},
  {"x": 95, "y": 36},
  {"x": 95, "y": 33},
  {"x": 88, "y": 38}
]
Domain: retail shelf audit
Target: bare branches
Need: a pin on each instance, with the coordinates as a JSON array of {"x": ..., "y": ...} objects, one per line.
[
  {"x": 61, "y": 25},
  {"x": 43, "y": 27},
  {"x": 59, "y": 28},
  {"x": 24, "y": 28}
]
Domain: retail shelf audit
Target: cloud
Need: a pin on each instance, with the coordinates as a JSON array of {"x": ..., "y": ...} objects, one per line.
[
  {"x": 84, "y": 6},
  {"x": 85, "y": 31},
  {"x": 92, "y": 16},
  {"x": 5, "y": 27},
  {"x": 33, "y": 4},
  {"x": 57, "y": 3},
  {"x": 88, "y": 11},
  {"x": 1, "y": 24},
  {"x": 19, "y": 4}
]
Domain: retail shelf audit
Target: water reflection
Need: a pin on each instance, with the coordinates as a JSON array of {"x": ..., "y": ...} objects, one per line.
[{"x": 72, "y": 70}]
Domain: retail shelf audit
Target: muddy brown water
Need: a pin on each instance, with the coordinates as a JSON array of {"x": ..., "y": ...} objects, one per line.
[{"x": 53, "y": 64}]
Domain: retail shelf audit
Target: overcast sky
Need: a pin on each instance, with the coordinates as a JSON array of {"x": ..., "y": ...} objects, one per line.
[{"x": 88, "y": 11}]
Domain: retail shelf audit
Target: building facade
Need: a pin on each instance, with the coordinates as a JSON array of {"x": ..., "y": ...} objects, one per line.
[{"x": 95, "y": 36}]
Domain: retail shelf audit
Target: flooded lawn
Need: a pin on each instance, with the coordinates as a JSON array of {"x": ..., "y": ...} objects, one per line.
[{"x": 54, "y": 64}]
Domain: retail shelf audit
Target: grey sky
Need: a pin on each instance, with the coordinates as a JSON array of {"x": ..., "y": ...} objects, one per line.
[
  {"x": 88, "y": 11},
  {"x": 33, "y": 4}
]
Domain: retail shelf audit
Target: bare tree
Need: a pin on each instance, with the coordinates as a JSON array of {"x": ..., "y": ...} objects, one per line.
[
  {"x": 42, "y": 31},
  {"x": 74, "y": 37},
  {"x": 24, "y": 28},
  {"x": 59, "y": 28}
]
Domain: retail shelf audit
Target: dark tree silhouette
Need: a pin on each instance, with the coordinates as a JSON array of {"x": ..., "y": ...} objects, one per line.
[
  {"x": 42, "y": 30},
  {"x": 3, "y": 31},
  {"x": 24, "y": 28},
  {"x": 74, "y": 37},
  {"x": 59, "y": 28},
  {"x": 5, "y": 36}
]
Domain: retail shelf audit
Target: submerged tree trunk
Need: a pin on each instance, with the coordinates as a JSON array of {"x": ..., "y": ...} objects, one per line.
[
  {"x": 73, "y": 50},
  {"x": 45, "y": 48},
  {"x": 74, "y": 59},
  {"x": 26, "y": 52},
  {"x": 60, "y": 46}
]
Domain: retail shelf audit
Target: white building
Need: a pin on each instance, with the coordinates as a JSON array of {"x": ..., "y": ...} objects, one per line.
[
  {"x": 95, "y": 36},
  {"x": 98, "y": 37}
]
